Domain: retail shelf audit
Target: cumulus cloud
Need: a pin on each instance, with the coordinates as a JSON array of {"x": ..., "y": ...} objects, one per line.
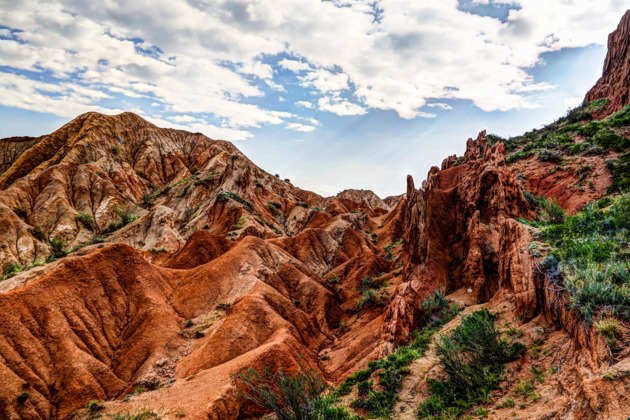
[
  {"x": 325, "y": 81},
  {"x": 212, "y": 58},
  {"x": 300, "y": 127},
  {"x": 304, "y": 104},
  {"x": 440, "y": 105},
  {"x": 293, "y": 65},
  {"x": 340, "y": 106}
]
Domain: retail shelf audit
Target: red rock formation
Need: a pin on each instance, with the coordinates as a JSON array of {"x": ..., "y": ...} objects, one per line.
[
  {"x": 460, "y": 234},
  {"x": 615, "y": 81},
  {"x": 265, "y": 271}
]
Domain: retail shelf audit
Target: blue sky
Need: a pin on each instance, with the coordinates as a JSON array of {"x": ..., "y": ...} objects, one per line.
[{"x": 331, "y": 94}]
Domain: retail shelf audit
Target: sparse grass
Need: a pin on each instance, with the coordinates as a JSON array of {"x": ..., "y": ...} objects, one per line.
[
  {"x": 86, "y": 219},
  {"x": 226, "y": 196},
  {"x": 149, "y": 199},
  {"x": 507, "y": 403},
  {"x": 557, "y": 139}
]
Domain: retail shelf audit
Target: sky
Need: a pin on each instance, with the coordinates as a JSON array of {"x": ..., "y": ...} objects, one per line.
[{"x": 331, "y": 94}]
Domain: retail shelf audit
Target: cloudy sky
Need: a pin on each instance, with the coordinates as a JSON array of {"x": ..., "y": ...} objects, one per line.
[{"x": 332, "y": 94}]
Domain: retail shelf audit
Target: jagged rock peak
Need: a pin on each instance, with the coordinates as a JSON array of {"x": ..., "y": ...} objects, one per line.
[
  {"x": 615, "y": 81},
  {"x": 474, "y": 149}
]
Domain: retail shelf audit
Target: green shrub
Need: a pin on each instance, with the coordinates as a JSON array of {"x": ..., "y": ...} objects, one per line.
[
  {"x": 57, "y": 247},
  {"x": 94, "y": 406},
  {"x": 547, "y": 155},
  {"x": 604, "y": 202},
  {"x": 590, "y": 129},
  {"x": 125, "y": 215},
  {"x": 86, "y": 219},
  {"x": 38, "y": 233},
  {"x": 372, "y": 297},
  {"x": 239, "y": 223},
  {"x": 21, "y": 211},
  {"x": 290, "y": 396},
  {"x": 225, "y": 196},
  {"x": 620, "y": 169},
  {"x": 472, "y": 358},
  {"x": 620, "y": 118},
  {"x": 12, "y": 269},
  {"x": 23, "y": 396}
]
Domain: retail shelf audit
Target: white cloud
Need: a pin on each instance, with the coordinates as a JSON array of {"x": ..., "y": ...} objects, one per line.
[
  {"x": 325, "y": 81},
  {"x": 440, "y": 105},
  {"x": 304, "y": 104},
  {"x": 208, "y": 57},
  {"x": 340, "y": 106},
  {"x": 293, "y": 65},
  {"x": 300, "y": 127}
]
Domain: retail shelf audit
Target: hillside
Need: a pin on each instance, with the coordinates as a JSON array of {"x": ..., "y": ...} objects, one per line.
[{"x": 155, "y": 273}]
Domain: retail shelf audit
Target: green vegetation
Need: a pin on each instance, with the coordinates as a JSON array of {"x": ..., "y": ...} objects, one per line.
[
  {"x": 473, "y": 358},
  {"x": 239, "y": 223},
  {"x": 23, "y": 396},
  {"x": 225, "y": 196},
  {"x": 38, "y": 233},
  {"x": 148, "y": 199},
  {"x": 21, "y": 211},
  {"x": 126, "y": 217},
  {"x": 86, "y": 219},
  {"x": 57, "y": 248},
  {"x": 13, "y": 269},
  {"x": 436, "y": 311},
  {"x": 206, "y": 180},
  {"x": 372, "y": 294},
  {"x": 372, "y": 297},
  {"x": 264, "y": 222},
  {"x": 290, "y": 396},
  {"x": 94, "y": 406},
  {"x": 549, "y": 210},
  {"x": 591, "y": 252},
  {"x": 558, "y": 139}
]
